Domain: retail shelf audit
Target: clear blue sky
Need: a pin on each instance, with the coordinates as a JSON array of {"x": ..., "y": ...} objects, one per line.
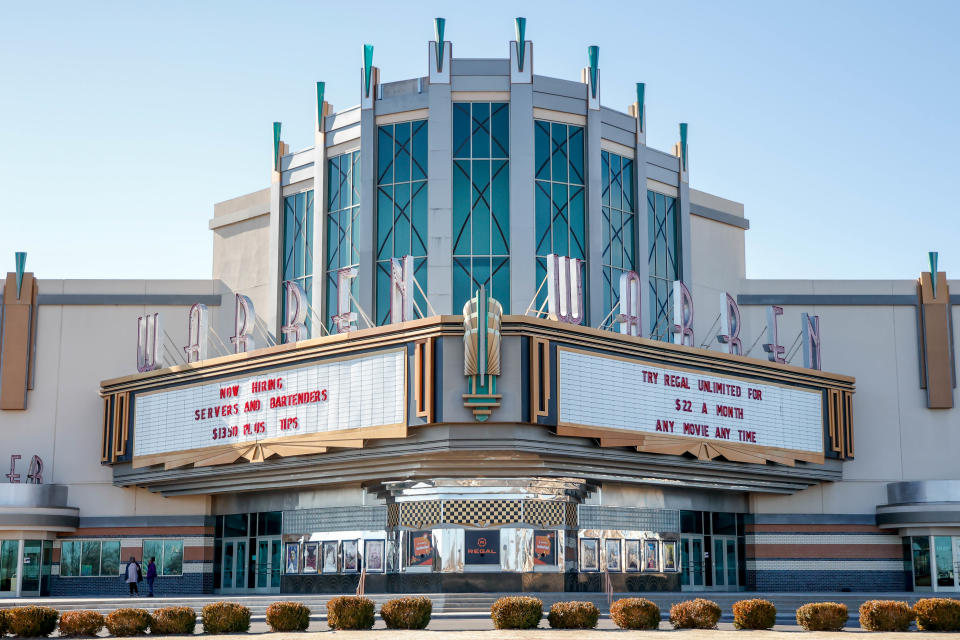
[{"x": 835, "y": 123}]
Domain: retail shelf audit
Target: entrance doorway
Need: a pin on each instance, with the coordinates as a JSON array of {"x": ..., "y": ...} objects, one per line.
[
  {"x": 234, "y": 566},
  {"x": 691, "y": 562},
  {"x": 268, "y": 562},
  {"x": 25, "y": 567},
  {"x": 712, "y": 548},
  {"x": 725, "y": 562},
  {"x": 249, "y": 556},
  {"x": 936, "y": 563}
]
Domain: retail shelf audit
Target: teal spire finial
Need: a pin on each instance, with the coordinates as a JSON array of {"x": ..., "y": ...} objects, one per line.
[
  {"x": 593, "y": 57},
  {"x": 521, "y": 27},
  {"x": 641, "y": 91},
  {"x": 439, "y": 24},
  {"x": 683, "y": 145},
  {"x": 21, "y": 259},
  {"x": 276, "y": 146},
  {"x": 933, "y": 271},
  {"x": 367, "y": 67},
  {"x": 321, "y": 88}
]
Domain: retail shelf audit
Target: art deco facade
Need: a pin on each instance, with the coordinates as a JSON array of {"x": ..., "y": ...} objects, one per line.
[{"x": 453, "y": 346}]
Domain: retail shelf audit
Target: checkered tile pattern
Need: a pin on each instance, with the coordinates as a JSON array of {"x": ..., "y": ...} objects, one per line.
[
  {"x": 543, "y": 512},
  {"x": 393, "y": 515},
  {"x": 420, "y": 514},
  {"x": 571, "y": 513},
  {"x": 482, "y": 513}
]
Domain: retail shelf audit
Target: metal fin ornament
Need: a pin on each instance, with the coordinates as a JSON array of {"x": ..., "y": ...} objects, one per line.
[
  {"x": 276, "y": 146},
  {"x": 641, "y": 91},
  {"x": 933, "y": 255},
  {"x": 438, "y": 26},
  {"x": 481, "y": 354},
  {"x": 521, "y": 27},
  {"x": 593, "y": 56},
  {"x": 20, "y": 258},
  {"x": 367, "y": 67},
  {"x": 321, "y": 88},
  {"x": 683, "y": 145}
]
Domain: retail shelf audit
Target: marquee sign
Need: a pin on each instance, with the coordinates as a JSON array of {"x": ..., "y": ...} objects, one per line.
[
  {"x": 684, "y": 410},
  {"x": 329, "y": 398}
]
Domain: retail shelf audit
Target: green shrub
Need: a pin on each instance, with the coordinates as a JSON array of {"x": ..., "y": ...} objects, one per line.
[
  {"x": 695, "y": 614},
  {"x": 886, "y": 615},
  {"x": 128, "y": 622},
  {"x": 937, "y": 614},
  {"x": 573, "y": 615},
  {"x": 80, "y": 623},
  {"x": 31, "y": 621},
  {"x": 173, "y": 621},
  {"x": 822, "y": 616},
  {"x": 635, "y": 613},
  {"x": 350, "y": 612},
  {"x": 225, "y": 617},
  {"x": 517, "y": 612},
  {"x": 288, "y": 616},
  {"x": 754, "y": 614},
  {"x": 407, "y": 613}
]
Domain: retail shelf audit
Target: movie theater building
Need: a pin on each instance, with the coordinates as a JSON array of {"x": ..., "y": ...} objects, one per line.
[{"x": 479, "y": 337}]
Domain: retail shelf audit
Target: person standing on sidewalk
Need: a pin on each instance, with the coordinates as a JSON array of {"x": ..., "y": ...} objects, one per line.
[
  {"x": 133, "y": 576},
  {"x": 151, "y": 574}
]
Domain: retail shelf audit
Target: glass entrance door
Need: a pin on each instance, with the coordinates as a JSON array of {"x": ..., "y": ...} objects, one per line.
[
  {"x": 268, "y": 562},
  {"x": 946, "y": 555},
  {"x": 234, "y": 566},
  {"x": 9, "y": 565},
  {"x": 725, "y": 562},
  {"x": 32, "y": 561},
  {"x": 691, "y": 562}
]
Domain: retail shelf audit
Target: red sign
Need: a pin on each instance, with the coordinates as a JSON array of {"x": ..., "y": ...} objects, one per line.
[
  {"x": 545, "y": 547},
  {"x": 542, "y": 545},
  {"x": 421, "y": 545}
]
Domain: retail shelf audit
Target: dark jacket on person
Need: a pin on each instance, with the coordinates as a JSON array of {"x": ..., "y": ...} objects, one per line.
[{"x": 151, "y": 570}]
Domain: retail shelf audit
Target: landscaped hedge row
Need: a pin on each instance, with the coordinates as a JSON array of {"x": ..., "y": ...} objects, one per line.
[
  {"x": 514, "y": 612},
  {"x": 931, "y": 614}
]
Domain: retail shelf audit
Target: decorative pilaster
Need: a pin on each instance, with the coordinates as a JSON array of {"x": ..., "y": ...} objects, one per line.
[
  {"x": 440, "y": 193},
  {"x": 680, "y": 150},
  {"x": 591, "y": 77},
  {"x": 938, "y": 374},
  {"x": 639, "y": 110},
  {"x": 18, "y": 350},
  {"x": 522, "y": 230},
  {"x": 594, "y": 133},
  {"x": 370, "y": 78},
  {"x": 521, "y": 55},
  {"x": 440, "y": 54},
  {"x": 319, "y": 239},
  {"x": 271, "y": 314}
]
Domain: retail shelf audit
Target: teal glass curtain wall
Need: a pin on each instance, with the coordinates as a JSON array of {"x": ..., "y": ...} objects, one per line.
[
  {"x": 481, "y": 201},
  {"x": 343, "y": 212},
  {"x": 298, "y": 247},
  {"x": 401, "y": 208},
  {"x": 619, "y": 226},
  {"x": 664, "y": 255},
  {"x": 560, "y": 197}
]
